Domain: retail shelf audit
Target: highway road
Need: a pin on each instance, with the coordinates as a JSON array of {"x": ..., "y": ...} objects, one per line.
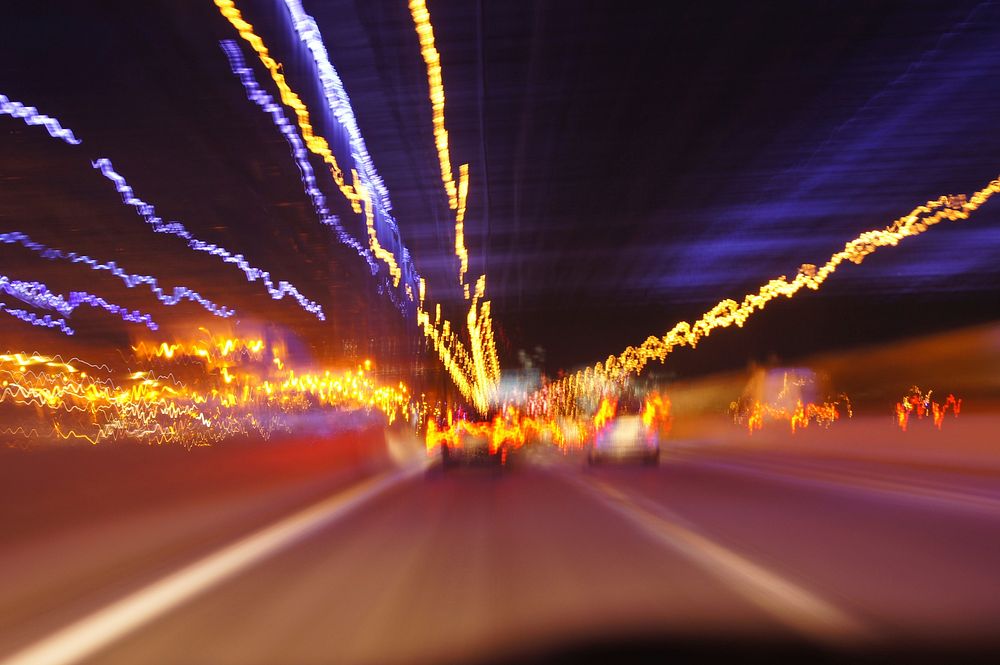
[{"x": 743, "y": 554}]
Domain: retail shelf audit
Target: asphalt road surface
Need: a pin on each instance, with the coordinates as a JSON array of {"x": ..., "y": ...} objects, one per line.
[{"x": 749, "y": 555}]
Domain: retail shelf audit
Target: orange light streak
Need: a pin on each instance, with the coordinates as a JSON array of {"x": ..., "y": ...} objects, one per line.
[
  {"x": 513, "y": 429},
  {"x": 921, "y": 404},
  {"x": 475, "y": 371},
  {"x": 380, "y": 252},
  {"x": 656, "y": 412},
  {"x": 605, "y": 413},
  {"x": 457, "y": 195},
  {"x": 507, "y": 432},
  {"x": 231, "y": 386},
  {"x": 730, "y": 312},
  {"x": 316, "y": 144},
  {"x": 460, "y": 250},
  {"x": 432, "y": 59},
  {"x": 754, "y": 414}
]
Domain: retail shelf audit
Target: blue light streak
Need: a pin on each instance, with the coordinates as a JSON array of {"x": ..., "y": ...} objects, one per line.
[
  {"x": 299, "y": 152},
  {"x": 148, "y": 213},
  {"x": 31, "y": 116},
  {"x": 339, "y": 104},
  {"x": 131, "y": 280},
  {"x": 45, "y": 321},
  {"x": 39, "y": 295}
]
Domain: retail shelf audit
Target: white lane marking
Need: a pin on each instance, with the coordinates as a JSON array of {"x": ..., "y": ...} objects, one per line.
[
  {"x": 796, "y": 607},
  {"x": 937, "y": 494},
  {"x": 92, "y": 633}
]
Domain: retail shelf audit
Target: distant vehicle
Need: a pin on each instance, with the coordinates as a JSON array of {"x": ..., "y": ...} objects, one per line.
[
  {"x": 471, "y": 448},
  {"x": 623, "y": 434},
  {"x": 784, "y": 387},
  {"x": 777, "y": 393}
]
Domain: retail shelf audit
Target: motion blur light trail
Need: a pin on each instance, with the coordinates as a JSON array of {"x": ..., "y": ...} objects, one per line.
[
  {"x": 148, "y": 212},
  {"x": 456, "y": 195},
  {"x": 561, "y": 395},
  {"x": 257, "y": 95},
  {"x": 921, "y": 404},
  {"x": 470, "y": 358},
  {"x": 796, "y": 402},
  {"x": 194, "y": 393},
  {"x": 212, "y": 351},
  {"x": 512, "y": 429},
  {"x": 38, "y": 295},
  {"x": 31, "y": 116},
  {"x": 753, "y": 415},
  {"x": 340, "y": 106},
  {"x": 131, "y": 280},
  {"x": 506, "y": 433},
  {"x": 317, "y": 144},
  {"x": 357, "y": 194},
  {"x": 475, "y": 370},
  {"x": 45, "y": 321},
  {"x": 59, "y": 400},
  {"x": 477, "y": 379},
  {"x": 425, "y": 31}
]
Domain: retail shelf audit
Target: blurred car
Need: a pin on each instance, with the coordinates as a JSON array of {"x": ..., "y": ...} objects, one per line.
[
  {"x": 783, "y": 387},
  {"x": 625, "y": 436},
  {"x": 471, "y": 448}
]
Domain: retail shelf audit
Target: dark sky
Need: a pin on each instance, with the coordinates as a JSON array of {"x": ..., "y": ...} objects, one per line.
[{"x": 632, "y": 164}]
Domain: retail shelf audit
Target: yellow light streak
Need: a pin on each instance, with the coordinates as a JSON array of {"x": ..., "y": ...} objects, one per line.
[
  {"x": 753, "y": 415},
  {"x": 476, "y": 372},
  {"x": 729, "y": 312},
  {"x": 457, "y": 195},
  {"x": 511, "y": 429},
  {"x": 432, "y": 59},
  {"x": 380, "y": 252},
  {"x": 231, "y": 387},
  {"x": 316, "y": 144},
  {"x": 460, "y": 251},
  {"x": 920, "y": 403}
]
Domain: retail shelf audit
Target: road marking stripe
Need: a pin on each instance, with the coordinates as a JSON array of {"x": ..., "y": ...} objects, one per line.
[
  {"x": 88, "y": 635},
  {"x": 801, "y": 475},
  {"x": 796, "y": 607}
]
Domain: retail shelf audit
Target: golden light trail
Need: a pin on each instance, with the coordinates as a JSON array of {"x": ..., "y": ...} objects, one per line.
[
  {"x": 560, "y": 395},
  {"x": 209, "y": 350},
  {"x": 457, "y": 196},
  {"x": 380, "y": 252},
  {"x": 656, "y": 411},
  {"x": 432, "y": 59},
  {"x": 460, "y": 251},
  {"x": 316, "y": 144},
  {"x": 505, "y": 433},
  {"x": 753, "y": 415},
  {"x": 195, "y": 393},
  {"x": 475, "y": 371},
  {"x": 356, "y": 194},
  {"x": 918, "y": 403},
  {"x": 512, "y": 429},
  {"x": 605, "y": 413}
]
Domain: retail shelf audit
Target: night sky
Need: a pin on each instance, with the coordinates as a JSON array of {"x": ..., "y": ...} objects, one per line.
[{"x": 631, "y": 164}]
